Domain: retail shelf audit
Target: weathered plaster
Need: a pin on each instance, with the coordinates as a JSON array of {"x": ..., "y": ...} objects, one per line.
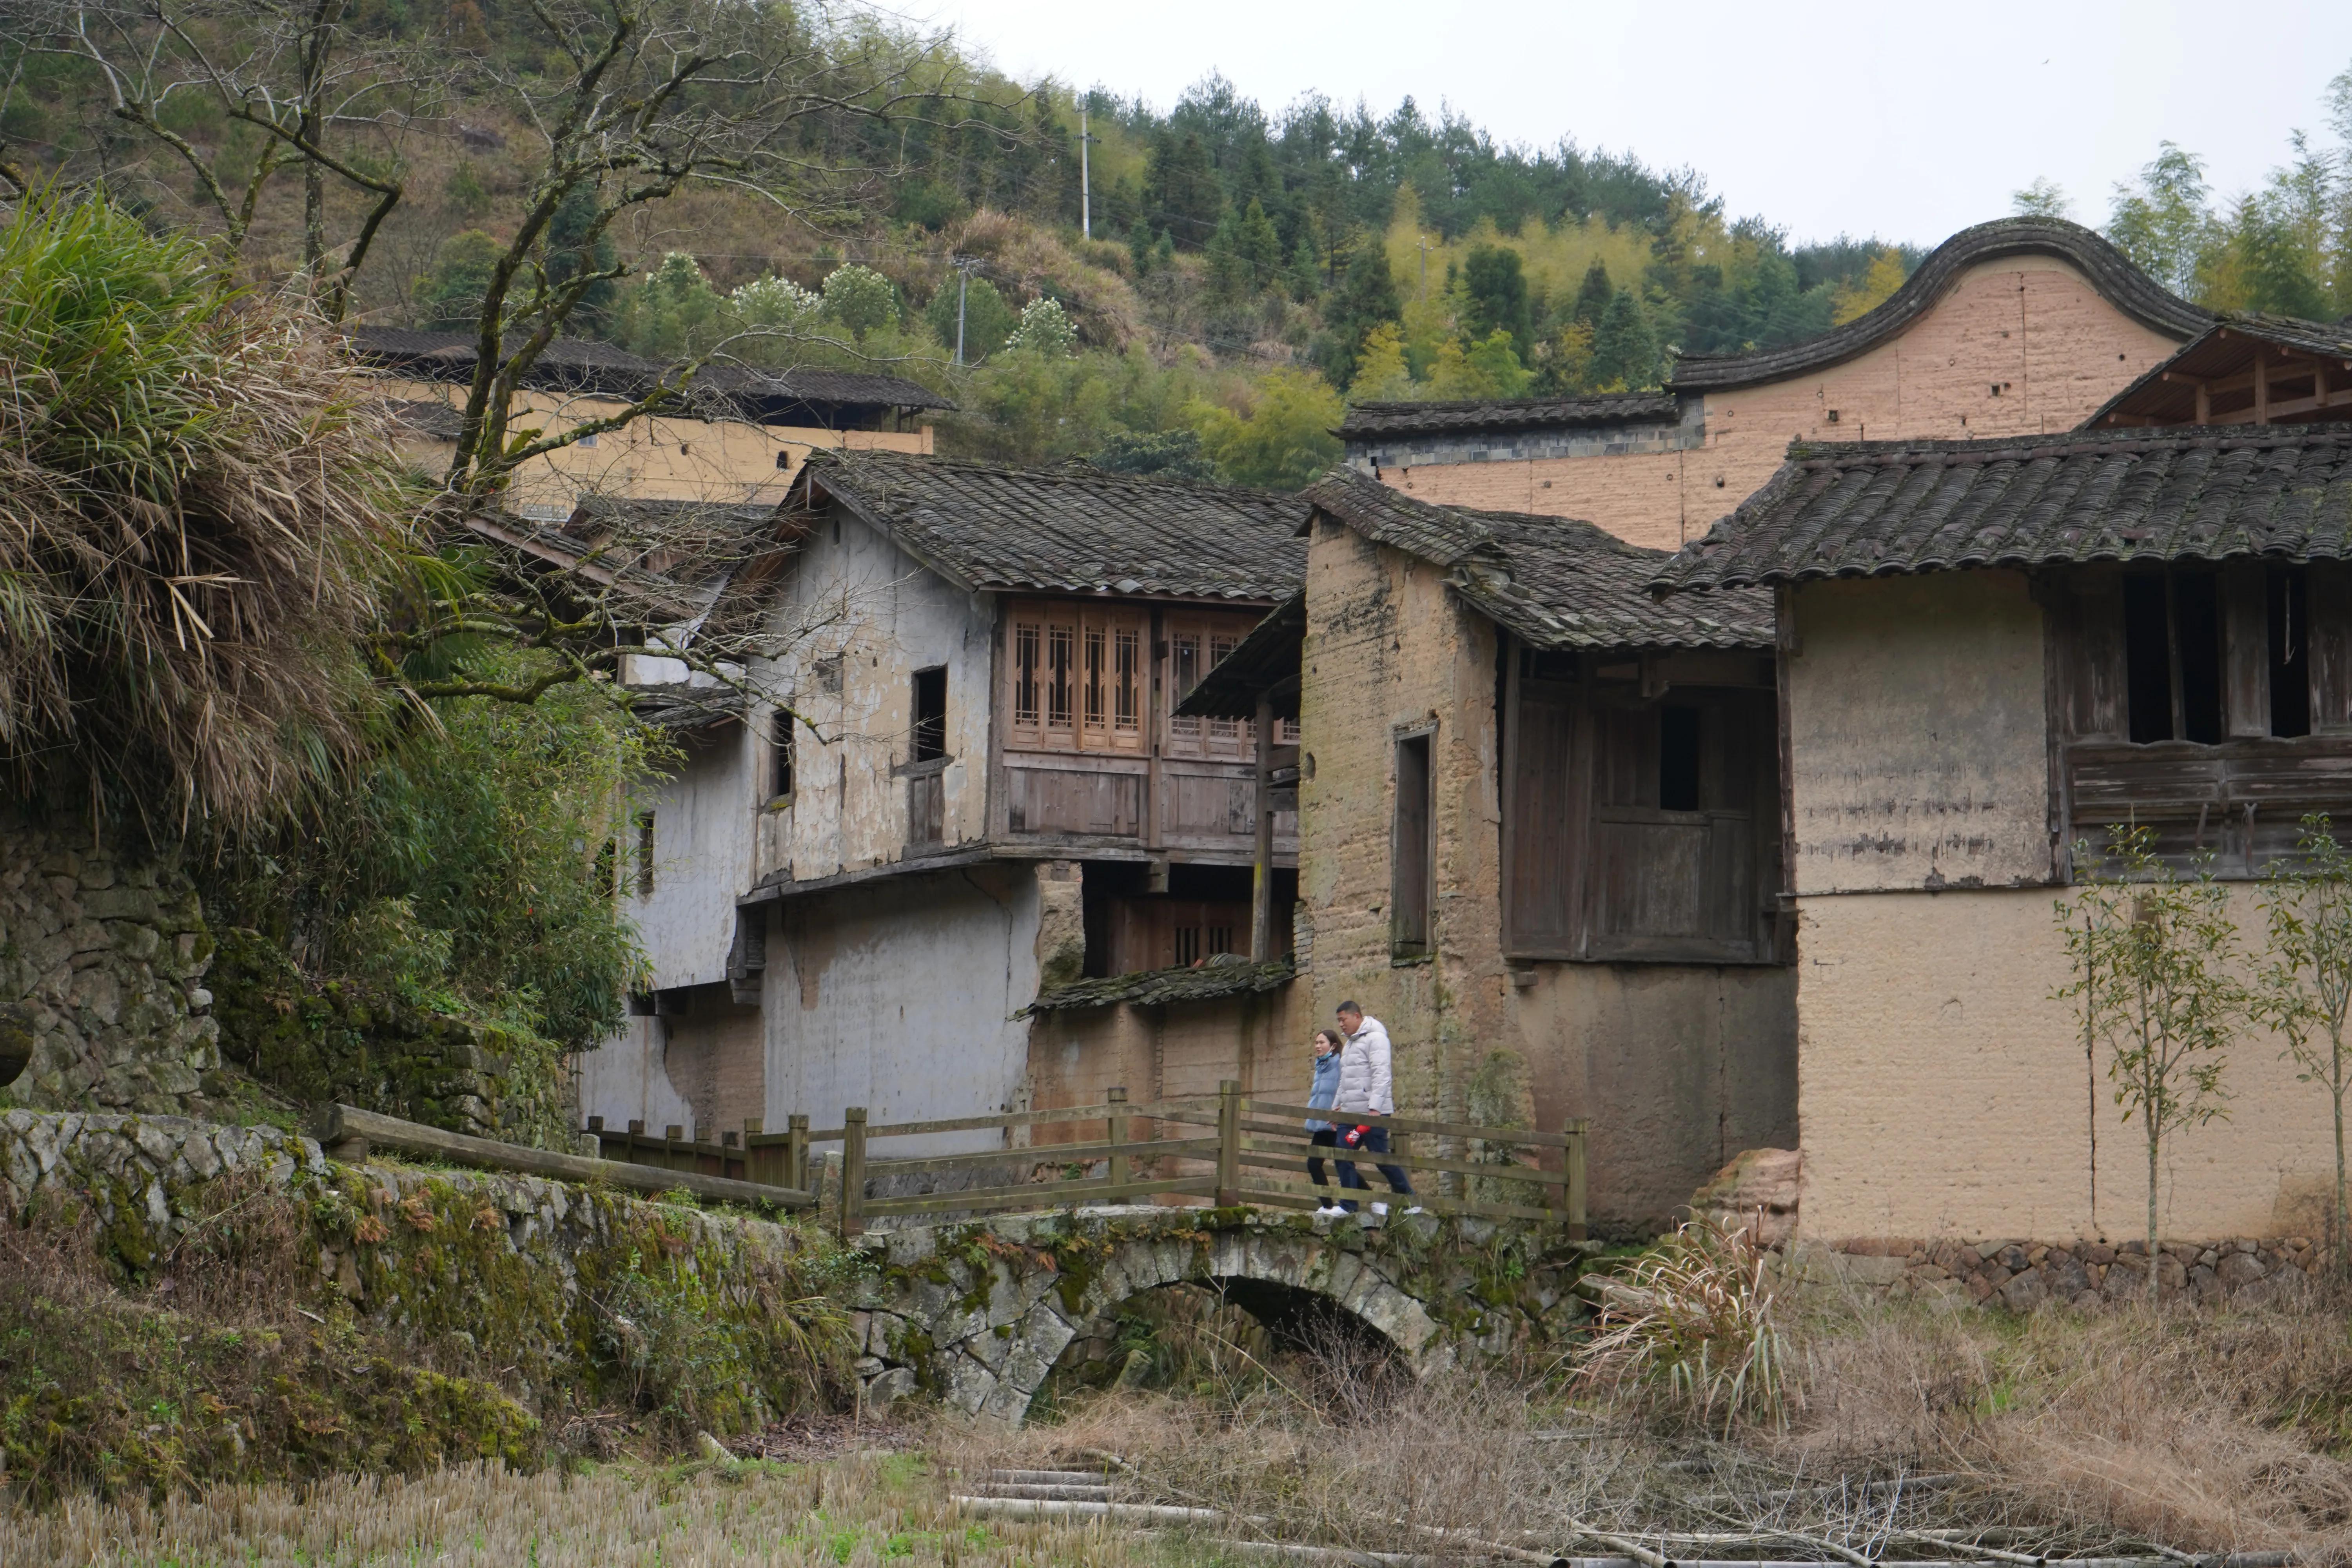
[
  {"x": 1944, "y": 1092},
  {"x": 1918, "y": 744},
  {"x": 900, "y": 997}
]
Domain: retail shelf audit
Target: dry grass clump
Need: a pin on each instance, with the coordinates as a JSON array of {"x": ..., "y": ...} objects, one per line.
[
  {"x": 196, "y": 520},
  {"x": 1695, "y": 1315},
  {"x": 2213, "y": 1427},
  {"x": 860, "y": 1512}
]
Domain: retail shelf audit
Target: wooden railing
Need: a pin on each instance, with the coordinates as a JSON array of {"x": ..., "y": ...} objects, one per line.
[{"x": 1236, "y": 1161}]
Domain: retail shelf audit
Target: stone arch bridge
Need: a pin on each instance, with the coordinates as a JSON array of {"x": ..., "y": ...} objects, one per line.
[{"x": 978, "y": 1313}]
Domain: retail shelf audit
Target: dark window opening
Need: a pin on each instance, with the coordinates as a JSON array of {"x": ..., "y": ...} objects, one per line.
[
  {"x": 1411, "y": 877},
  {"x": 645, "y": 853},
  {"x": 2197, "y": 620},
  {"x": 930, "y": 725},
  {"x": 1678, "y": 758},
  {"x": 2290, "y": 655},
  {"x": 2172, "y": 655},
  {"x": 780, "y": 753},
  {"x": 783, "y": 460},
  {"x": 2147, "y": 663}
]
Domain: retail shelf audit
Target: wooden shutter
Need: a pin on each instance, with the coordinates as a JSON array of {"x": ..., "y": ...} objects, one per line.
[
  {"x": 2327, "y": 599},
  {"x": 2245, "y": 648},
  {"x": 1545, "y": 822},
  {"x": 2088, "y": 680},
  {"x": 1411, "y": 849}
]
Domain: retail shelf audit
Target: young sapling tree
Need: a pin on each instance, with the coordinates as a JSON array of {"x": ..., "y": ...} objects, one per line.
[
  {"x": 2154, "y": 956},
  {"x": 2307, "y": 984}
]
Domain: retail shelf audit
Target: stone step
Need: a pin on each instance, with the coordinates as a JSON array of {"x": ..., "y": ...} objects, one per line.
[{"x": 1044, "y": 1477}]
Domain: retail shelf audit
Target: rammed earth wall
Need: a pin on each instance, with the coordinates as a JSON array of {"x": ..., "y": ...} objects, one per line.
[{"x": 102, "y": 961}]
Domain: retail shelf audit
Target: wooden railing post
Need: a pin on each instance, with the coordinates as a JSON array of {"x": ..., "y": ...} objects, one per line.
[
  {"x": 796, "y": 1149},
  {"x": 852, "y": 1172},
  {"x": 1115, "y": 1131},
  {"x": 1229, "y": 1143},
  {"x": 1571, "y": 1190},
  {"x": 755, "y": 1160}
]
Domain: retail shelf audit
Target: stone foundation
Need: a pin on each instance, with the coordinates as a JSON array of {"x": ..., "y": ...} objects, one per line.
[
  {"x": 2021, "y": 1274},
  {"x": 102, "y": 959}
]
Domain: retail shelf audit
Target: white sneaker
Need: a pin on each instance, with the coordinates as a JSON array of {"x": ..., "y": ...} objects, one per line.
[
  {"x": 1415, "y": 1209},
  {"x": 1329, "y": 1208},
  {"x": 1380, "y": 1210}
]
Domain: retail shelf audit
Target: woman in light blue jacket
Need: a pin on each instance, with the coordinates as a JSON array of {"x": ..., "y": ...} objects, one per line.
[{"x": 1319, "y": 1096}]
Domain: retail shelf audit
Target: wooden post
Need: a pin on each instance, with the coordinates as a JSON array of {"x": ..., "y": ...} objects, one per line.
[
  {"x": 756, "y": 1162},
  {"x": 1572, "y": 1190},
  {"x": 1115, "y": 1131},
  {"x": 796, "y": 1149},
  {"x": 852, "y": 1172},
  {"x": 1261, "y": 947},
  {"x": 1229, "y": 1143}
]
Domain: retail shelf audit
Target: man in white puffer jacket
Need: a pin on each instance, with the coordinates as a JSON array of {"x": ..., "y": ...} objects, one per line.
[{"x": 1366, "y": 1084}]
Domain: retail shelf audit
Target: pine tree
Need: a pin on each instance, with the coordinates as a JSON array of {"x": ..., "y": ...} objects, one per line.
[
  {"x": 1185, "y": 197},
  {"x": 1624, "y": 348},
  {"x": 1366, "y": 297},
  {"x": 1259, "y": 247},
  {"x": 1497, "y": 291},
  {"x": 1139, "y": 247},
  {"x": 1593, "y": 295}
]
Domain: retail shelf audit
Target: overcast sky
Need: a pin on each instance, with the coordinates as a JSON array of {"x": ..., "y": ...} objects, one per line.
[{"x": 1907, "y": 121}]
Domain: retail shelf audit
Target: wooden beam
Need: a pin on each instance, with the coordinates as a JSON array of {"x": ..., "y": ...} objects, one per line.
[
  {"x": 345, "y": 1125},
  {"x": 2204, "y": 404},
  {"x": 2262, "y": 384},
  {"x": 1260, "y": 945}
]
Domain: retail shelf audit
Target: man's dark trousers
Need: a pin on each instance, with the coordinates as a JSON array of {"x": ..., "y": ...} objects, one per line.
[{"x": 1376, "y": 1141}]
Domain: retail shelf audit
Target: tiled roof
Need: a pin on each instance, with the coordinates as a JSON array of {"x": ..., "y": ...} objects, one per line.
[
  {"x": 1370, "y": 421},
  {"x": 2123, "y": 285},
  {"x": 1158, "y": 987},
  {"x": 1072, "y": 528},
  {"x": 1873, "y": 508},
  {"x": 585, "y": 364},
  {"x": 1555, "y": 582}
]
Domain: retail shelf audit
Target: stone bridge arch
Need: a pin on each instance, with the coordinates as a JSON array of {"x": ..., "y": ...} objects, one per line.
[{"x": 978, "y": 1314}]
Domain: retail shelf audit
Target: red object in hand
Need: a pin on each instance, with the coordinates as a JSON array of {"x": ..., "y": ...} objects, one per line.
[{"x": 1355, "y": 1137}]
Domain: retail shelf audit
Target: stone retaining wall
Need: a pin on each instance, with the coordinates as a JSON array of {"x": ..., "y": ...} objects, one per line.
[
  {"x": 559, "y": 1284},
  {"x": 2022, "y": 1274},
  {"x": 102, "y": 959}
]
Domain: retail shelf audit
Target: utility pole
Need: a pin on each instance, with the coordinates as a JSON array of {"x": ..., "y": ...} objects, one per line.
[
  {"x": 1086, "y": 197},
  {"x": 963, "y": 266}
]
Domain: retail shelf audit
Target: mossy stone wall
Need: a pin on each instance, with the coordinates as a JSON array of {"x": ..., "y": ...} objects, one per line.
[{"x": 102, "y": 963}]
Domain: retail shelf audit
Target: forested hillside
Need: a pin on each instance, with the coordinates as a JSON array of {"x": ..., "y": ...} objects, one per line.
[
  {"x": 1248, "y": 269},
  {"x": 854, "y": 192}
]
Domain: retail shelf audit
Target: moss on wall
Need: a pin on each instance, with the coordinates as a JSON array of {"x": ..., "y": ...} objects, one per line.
[{"x": 341, "y": 1041}]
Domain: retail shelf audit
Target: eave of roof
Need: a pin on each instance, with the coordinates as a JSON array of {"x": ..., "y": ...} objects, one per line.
[
  {"x": 2221, "y": 350},
  {"x": 989, "y": 527},
  {"x": 2119, "y": 282},
  {"x": 1894, "y": 508},
  {"x": 1158, "y": 987},
  {"x": 587, "y": 365},
  {"x": 1555, "y": 582},
  {"x": 1372, "y": 421},
  {"x": 1266, "y": 662}
]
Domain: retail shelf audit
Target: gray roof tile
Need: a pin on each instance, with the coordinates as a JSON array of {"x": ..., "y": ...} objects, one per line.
[
  {"x": 1555, "y": 582},
  {"x": 1879, "y": 508},
  {"x": 1370, "y": 421},
  {"x": 1072, "y": 528}
]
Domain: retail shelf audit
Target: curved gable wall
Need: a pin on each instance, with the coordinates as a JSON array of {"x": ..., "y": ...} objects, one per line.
[{"x": 2033, "y": 326}]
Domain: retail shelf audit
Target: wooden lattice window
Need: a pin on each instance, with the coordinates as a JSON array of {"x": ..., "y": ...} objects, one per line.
[{"x": 1076, "y": 677}]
